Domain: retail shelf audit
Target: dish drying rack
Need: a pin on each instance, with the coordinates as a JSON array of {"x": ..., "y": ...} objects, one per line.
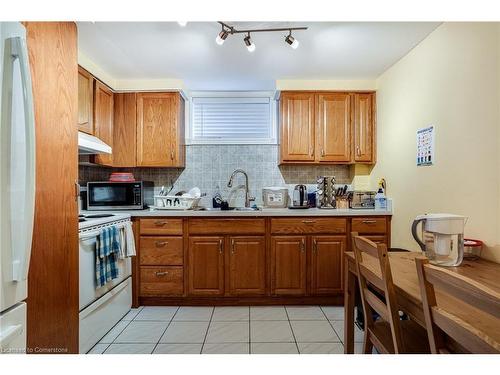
[{"x": 176, "y": 202}]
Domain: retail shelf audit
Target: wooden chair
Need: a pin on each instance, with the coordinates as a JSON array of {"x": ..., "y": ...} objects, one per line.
[
  {"x": 443, "y": 324},
  {"x": 388, "y": 334}
]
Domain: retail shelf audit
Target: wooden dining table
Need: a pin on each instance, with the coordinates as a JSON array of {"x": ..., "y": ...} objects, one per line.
[{"x": 404, "y": 275}]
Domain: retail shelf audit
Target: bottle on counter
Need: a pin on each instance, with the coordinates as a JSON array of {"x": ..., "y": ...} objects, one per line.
[
  {"x": 380, "y": 198},
  {"x": 217, "y": 198}
]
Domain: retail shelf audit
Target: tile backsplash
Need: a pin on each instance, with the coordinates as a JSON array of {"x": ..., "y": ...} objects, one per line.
[{"x": 209, "y": 166}]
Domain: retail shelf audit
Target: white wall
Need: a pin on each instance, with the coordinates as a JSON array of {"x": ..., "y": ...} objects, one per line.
[{"x": 450, "y": 80}]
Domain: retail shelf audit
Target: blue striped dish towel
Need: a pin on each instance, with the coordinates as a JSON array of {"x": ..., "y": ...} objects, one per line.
[{"x": 107, "y": 249}]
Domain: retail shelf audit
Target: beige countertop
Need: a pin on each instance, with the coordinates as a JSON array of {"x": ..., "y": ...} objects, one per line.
[{"x": 284, "y": 212}]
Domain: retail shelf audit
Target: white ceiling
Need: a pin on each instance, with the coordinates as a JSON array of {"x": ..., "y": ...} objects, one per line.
[{"x": 328, "y": 50}]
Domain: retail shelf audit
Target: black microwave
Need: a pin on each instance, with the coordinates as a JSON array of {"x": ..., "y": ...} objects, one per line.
[{"x": 109, "y": 195}]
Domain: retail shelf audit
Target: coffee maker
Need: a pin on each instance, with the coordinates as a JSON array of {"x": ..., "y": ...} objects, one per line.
[
  {"x": 300, "y": 197},
  {"x": 442, "y": 238}
]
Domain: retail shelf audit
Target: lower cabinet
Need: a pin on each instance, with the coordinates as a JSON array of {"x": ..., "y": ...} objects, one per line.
[
  {"x": 206, "y": 266},
  {"x": 288, "y": 265},
  {"x": 326, "y": 264},
  {"x": 227, "y": 265},
  {"x": 247, "y": 266}
]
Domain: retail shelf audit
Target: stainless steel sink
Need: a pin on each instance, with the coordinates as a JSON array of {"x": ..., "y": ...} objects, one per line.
[{"x": 247, "y": 209}]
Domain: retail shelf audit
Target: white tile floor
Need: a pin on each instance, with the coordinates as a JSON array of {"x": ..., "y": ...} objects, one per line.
[{"x": 228, "y": 330}]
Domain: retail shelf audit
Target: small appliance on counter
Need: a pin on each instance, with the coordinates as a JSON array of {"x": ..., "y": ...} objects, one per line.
[
  {"x": 275, "y": 197},
  {"x": 326, "y": 192},
  {"x": 442, "y": 238},
  {"x": 108, "y": 195},
  {"x": 363, "y": 200},
  {"x": 300, "y": 197}
]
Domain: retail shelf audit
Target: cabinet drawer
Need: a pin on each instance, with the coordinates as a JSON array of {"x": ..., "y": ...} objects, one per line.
[
  {"x": 308, "y": 225},
  {"x": 369, "y": 225},
  {"x": 161, "y": 281},
  {"x": 161, "y": 251},
  {"x": 161, "y": 226},
  {"x": 227, "y": 226}
]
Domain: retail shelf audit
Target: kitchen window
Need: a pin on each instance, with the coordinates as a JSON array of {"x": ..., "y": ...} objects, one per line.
[{"x": 232, "y": 118}]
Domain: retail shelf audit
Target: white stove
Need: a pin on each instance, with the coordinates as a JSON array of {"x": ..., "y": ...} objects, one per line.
[
  {"x": 100, "y": 307},
  {"x": 87, "y": 221}
]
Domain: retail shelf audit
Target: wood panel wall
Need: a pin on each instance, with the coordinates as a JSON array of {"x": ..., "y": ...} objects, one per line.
[{"x": 53, "y": 273}]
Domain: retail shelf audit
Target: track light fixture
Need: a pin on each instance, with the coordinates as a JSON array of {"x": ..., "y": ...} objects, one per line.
[
  {"x": 248, "y": 42},
  {"x": 230, "y": 30},
  {"x": 294, "y": 43}
]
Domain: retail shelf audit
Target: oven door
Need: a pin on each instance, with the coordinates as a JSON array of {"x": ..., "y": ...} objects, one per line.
[{"x": 114, "y": 196}]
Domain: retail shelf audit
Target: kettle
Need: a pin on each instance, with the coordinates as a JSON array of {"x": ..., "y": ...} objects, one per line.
[
  {"x": 300, "y": 196},
  {"x": 442, "y": 238}
]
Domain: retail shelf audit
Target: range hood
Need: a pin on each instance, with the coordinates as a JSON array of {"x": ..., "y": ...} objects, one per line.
[{"x": 90, "y": 145}]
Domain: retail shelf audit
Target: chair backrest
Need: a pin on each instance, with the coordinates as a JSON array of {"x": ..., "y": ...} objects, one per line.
[
  {"x": 386, "y": 307},
  {"x": 441, "y": 322}
]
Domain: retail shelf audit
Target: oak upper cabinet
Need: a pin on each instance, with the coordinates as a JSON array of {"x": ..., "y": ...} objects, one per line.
[
  {"x": 103, "y": 120},
  {"x": 206, "y": 266},
  {"x": 124, "y": 130},
  {"x": 160, "y": 130},
  {"x": 85, "y": 101},
  {"x": 297, "y": 127},
  {"x": 288, "y": 265},
  {"x": 324, "y": 127},
  {"x": 364, "y": 128},
  {"x": 326, "y": 264},
  {"x": 247, "y": 265},
  {"x": 333, "y": 141}
]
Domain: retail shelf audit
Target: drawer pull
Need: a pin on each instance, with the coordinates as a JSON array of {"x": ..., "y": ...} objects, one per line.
[
  {"x": 220, "y": 246},
  {"x": 161, "y": 273},
  {"x": 161, "y": 243},
  {"x": 160, "y": 223},
  {"x": 232, "y": 246},
  {"x": 315, "y": 245},
  {"x": 369, "y": 222},
  {"x": 308, "y": 221},
  {"x": 303, "y": 245}
]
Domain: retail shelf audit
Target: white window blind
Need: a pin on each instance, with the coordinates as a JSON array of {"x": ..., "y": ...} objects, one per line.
[{"x": 232, "y": 120}]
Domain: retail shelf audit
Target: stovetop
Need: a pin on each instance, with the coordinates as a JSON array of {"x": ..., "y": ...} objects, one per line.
[{"x": 91, "y": 220}]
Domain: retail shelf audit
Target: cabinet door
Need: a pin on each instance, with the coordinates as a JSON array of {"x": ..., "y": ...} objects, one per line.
[
  {"x": 288, "y": 265},
  {"x": 85, "y": 101},
  {"x": 334, "y": 127},
  {"x": 364, "y": 128},
  {"x": 206, "y": 266},
  {"x": 326, "y": 264},
  {"x": 103, "y": 120},
  {"x": 158, "y": 130},
  {"x": 247, "y": 265},
  {"x": 297, "y": 127},
  {"x": 124, "y": 130}
]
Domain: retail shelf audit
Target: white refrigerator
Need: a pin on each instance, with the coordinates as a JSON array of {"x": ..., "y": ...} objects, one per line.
[{"x": 17, "y": 184}]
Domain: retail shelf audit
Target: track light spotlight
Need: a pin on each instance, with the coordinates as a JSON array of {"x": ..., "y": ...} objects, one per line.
[
  {"x": 221, "y": 37},
  {"x": 248, "y": 42},
  {"x": 294, "y": 43}
]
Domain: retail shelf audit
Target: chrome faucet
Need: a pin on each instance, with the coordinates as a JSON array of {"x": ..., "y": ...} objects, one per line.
[{"x": 248, "y": 198}]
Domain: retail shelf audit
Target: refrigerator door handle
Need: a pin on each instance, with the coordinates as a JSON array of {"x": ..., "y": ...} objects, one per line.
[{"x": 16, "y": 48}]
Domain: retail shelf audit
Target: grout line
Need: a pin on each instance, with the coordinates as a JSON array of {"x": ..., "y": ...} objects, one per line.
[
  {"x": 291, "y": 328},
  {"x": 331, "y": 325},
  {"x": 168, "y": 325},
  {"x": 208, "y": 328}
]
